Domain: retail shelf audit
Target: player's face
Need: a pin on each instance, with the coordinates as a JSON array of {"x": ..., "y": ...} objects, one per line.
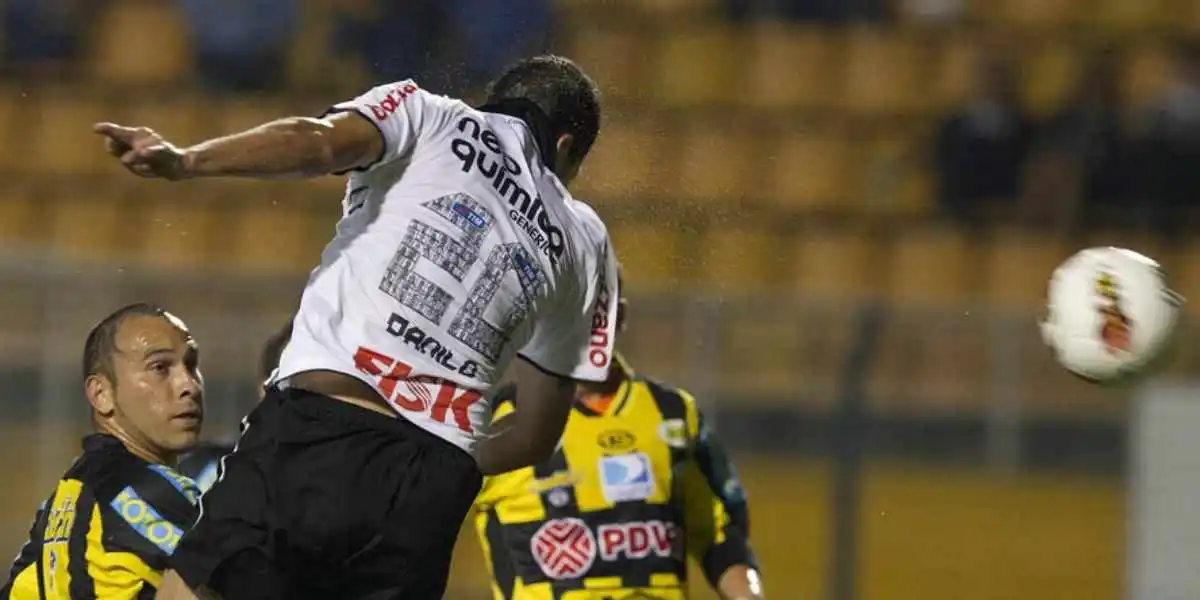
[{"x": 159, "y": 389}]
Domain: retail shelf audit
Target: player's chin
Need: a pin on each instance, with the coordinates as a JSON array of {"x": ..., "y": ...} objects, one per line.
[{"x": 183, "y": 436}]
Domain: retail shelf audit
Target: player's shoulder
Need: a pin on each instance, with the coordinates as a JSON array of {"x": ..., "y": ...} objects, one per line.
[
  {"x": 116, "y": 477},
  {"x": 195, "y": 463}
]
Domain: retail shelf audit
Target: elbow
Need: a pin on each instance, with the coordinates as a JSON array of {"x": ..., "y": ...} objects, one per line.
[{"x": 315, "y": 137}]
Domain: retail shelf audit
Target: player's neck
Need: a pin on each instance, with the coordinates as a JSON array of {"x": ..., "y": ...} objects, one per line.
[
  {"x": 136, "y": 447},
  {"x": 598, "y": 396}
]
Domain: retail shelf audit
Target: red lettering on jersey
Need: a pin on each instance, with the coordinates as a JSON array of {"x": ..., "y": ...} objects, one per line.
[
  {"x": 636, "y": 540},
  {"x": 373, "y": 363},
  {"x": 598, "y": 353},
  {"x": 391, "y": 102}
]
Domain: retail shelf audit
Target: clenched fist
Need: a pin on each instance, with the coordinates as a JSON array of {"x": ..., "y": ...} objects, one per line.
[{"x": 144, "y": 152}]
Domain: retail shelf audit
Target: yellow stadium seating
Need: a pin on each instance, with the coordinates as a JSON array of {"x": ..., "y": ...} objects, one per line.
[
  {"x": 182, "y": 119},
  {"x": 1017, "y": 265},
  {"x": 1120, "y": 16},
  {"x": 272, "y": 236},
  {"x": 91, "y": 223},
  {"x": 1049, "y": 72},
  {"x": 884, "y": 71},
  {"x": 627, "y": 162},
  {"x": 716, "y": 162},
  {"x": 22, "y": 215},
  {"x": 832, "y": 263},
  {"x": 931, "y": 265},
  {"x": 1185, "y": 274},
  {"x": 811, "y": 171},
  {"x": 616, "y": 57},
  {"x": 955, "y": 65},
  {"x": 233, "y": 116},
  {"x": 63, "y": 142},
  {"x": 178, "y": 230},
  {"x": 759, "y": 354},
  {"x": 1146, "y": 70},
  {"x": 142, "y": 41},
  {"x": 789, "y": 67},
  {"x": 1031, "y": 13},
  {"x": 697, "y": 66},
  {"x": 735, "y": 260},
  {"x": 650, "y": 251}
]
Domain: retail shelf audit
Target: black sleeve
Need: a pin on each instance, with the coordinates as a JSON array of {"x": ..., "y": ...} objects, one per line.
[
  {"x": 150, "y": 513},
  {"x": 730, "y": 544}
]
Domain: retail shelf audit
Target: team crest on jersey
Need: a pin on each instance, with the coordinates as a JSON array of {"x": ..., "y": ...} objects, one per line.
[
  {"x": 564, "y": 548},
  {"x": 616, "y": 440},
  {"x": 1116, "y": 329},
  {"x": 627, "y": 477}
]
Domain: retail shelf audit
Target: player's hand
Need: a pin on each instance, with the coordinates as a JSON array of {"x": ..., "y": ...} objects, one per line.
[{"x": 143, "y": 151}]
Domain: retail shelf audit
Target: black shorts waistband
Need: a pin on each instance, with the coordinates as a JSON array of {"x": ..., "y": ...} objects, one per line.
[{"x": 332, "y": 409}]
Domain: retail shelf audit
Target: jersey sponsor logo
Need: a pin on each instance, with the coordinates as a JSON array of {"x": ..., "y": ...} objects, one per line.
[
  {"x": 616, "y": 440},
  {"x": 391, "y": 102},
  {"x": 146, "y": 521},
  {"x": 480, "y": 151},
  {"x": 636, "y": 540},
  {"x": 598, "y": 350},
  {"x": 430, "y": 346},
  {"x": 184, "y": 485},
  {"x": 627, "y": 477},
  {"x": 564, "y": 548},
  {"x": 448, "y": 402},
  {"x": 673, "y": 432}
]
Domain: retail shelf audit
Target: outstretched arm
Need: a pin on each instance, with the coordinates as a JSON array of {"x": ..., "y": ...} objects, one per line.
[{"x": 293, "y": 147}]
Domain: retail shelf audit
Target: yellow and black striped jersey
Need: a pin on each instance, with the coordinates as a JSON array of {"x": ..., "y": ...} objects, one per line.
[
  {"x": 629, "y": 494},
  {"x": 107, "y": 531}
]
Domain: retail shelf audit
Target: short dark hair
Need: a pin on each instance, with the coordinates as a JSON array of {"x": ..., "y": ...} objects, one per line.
[
  {"x": 562, "y": 90},
  {"x": 268, "y": 361},
  {"x": 102, "y": 339}
]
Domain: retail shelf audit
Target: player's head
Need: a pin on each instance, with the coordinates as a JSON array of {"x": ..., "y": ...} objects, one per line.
[
  {"x": 566, "y": 95},
  {"x": 268, "y": 361},
  {"x": 141, "y": 371}
]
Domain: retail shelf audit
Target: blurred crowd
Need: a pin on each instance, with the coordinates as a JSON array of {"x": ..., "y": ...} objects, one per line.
[
  {"x": 1099, "y": 161},
  {"x": 241, "y": 45}
]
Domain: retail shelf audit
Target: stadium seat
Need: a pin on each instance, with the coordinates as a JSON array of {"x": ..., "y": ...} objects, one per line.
[
  {"x": 884, "y": 71},
  {"x": 181, "y": 118},
  {"x": 898, "y": 185},
  {"x": 738, "y": 259},
  {"x": 62, "y": 142},
  {"x": 759, "y": 353},
  {"x": 627, "y": 162},
  {"x": 1145, "y": 71},
  {"x": 1017, "y": 266},
  {"x": 92, "y": 223},
  {"x": 811, "y": 170},
  {"x": 697, "y": 66},
  {"x": 657, "y": 339},
  {"x": 270, "y": 232},
  {"x": 931, "y": 266},
  {"x": 178, "y": 231},
  {"x": 22, "y": 216},
  {"x": 788, "y": 67},
  {"x": 650, "y": 252},
  {"x": 955, "y": 65},
  {"x": 141, "y": 41},
  {"x": 1184, "y": 273},
  {"x": 1125, "y": 16},
  {"x": 1031, "y": 13},
  {"x": 616, "y": 57},
  {"x": 833, "y": 263},
  {"x": 1049, "y": 72},
  {"x": 716, "y": 162},
  {"x": 233, "y": 116}
]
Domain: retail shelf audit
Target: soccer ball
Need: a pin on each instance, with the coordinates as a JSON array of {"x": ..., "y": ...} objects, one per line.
[{"x": 1110, "y": 315}]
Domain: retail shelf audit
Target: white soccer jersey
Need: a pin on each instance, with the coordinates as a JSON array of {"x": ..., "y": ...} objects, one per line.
[{"x": 457, "y": 249}]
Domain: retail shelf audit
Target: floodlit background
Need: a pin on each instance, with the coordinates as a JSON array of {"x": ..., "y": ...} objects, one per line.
[{"x": 836, "y": 218}]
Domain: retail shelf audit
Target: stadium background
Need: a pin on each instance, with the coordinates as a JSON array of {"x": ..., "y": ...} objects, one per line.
[{"x": 771, "y": 175}]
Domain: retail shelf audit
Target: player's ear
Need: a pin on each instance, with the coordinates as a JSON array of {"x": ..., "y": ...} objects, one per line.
[
  {"x": 565, "y": 167},
  {"x": 99, "y": 392}
]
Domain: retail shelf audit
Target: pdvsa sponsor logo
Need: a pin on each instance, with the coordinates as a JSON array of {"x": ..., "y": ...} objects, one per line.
[
  {"x": 567, "y": 548},
  {"x": 391, "y": 102}
]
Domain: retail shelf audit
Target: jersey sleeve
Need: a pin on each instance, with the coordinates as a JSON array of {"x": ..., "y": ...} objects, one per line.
[
  {"x": 576, "y": 340},
  {"x": 26, "y": 557},
  {"x": 717, "y": 519},
  {"x": 397, "y": 110},
  {"x": 149, "y": 515}
]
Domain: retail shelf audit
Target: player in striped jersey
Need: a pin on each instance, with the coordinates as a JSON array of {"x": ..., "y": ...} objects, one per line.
[
  {"x": 202, "y": 463},
  {"x": 115, "y": 517}
]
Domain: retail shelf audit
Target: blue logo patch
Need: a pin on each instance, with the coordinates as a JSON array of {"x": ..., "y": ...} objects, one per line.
[
  {"x": 146, "y": 521},
  {"x": 472, "y": 217},
  {"x": 627, "y": 477}
]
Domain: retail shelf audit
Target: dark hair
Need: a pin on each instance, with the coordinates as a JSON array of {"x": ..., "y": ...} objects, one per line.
[
  {"x": 268, "y": 361},
  {"x": 102, "y": 339},
  {"x": 562, "y": 90}
]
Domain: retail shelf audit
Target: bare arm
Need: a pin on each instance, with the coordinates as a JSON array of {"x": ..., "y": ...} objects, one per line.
[
  {"x": 530, "y": 434},
  {"x": 293, "y": 147},
  {"x": 740, "y": 582}
]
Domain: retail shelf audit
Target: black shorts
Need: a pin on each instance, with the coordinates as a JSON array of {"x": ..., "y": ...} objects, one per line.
[{"x": 323, "y": 499}]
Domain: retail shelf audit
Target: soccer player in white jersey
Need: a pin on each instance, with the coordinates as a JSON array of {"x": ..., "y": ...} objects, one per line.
[{"x": 459, "y": 248}]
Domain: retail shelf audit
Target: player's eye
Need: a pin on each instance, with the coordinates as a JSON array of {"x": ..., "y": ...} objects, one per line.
[{"x": 161, "y": 367}]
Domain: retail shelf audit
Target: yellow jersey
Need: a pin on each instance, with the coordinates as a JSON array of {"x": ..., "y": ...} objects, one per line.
[
  {"x": 613, "y": 515},
  {"x": 107, "y": 531}
]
